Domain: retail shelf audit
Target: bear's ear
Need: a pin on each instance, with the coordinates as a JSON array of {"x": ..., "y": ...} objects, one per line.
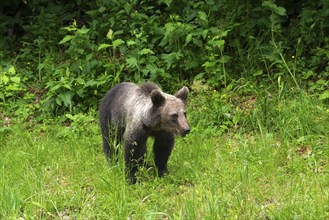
[
  {"x": 182, "y": 94},
  {"x": 157, "y": 98}
]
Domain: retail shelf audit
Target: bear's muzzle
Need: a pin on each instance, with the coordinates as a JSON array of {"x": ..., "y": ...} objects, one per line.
[{"x": 184, "y": 132}]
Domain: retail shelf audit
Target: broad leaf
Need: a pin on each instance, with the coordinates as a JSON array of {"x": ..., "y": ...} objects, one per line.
[
  {"x": 117, "y": 43},
  {"x": 145, "y": 51},
  {"x": 324, "y": 95},
  {"x": 103, "y": 46},
  {"x": 16, "y": 79},
  {"x": 66, "y": 39},
  {"x": 132, "y": 62}
]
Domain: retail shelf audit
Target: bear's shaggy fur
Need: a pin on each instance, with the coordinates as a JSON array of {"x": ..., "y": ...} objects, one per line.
[{"x": 131, "y": 113}]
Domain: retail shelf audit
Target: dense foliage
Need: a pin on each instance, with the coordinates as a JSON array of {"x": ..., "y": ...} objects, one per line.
[{"x": 61, "y": 57}]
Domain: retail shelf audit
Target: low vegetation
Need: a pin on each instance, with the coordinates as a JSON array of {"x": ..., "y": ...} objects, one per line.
[{"x": 256, "y": 170}]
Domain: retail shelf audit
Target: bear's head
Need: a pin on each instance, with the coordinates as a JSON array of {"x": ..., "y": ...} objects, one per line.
[{"x": 171, "y": 111}]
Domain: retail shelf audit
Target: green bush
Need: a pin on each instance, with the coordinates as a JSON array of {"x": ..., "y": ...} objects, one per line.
[{"x": 67, "y": 55}]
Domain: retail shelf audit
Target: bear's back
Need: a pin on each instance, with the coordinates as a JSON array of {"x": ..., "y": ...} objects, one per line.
[{"x": 129, "y": 100}]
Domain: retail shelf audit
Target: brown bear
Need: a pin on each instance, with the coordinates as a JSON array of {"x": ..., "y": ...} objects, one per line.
[{"x": 131, "y": 113}]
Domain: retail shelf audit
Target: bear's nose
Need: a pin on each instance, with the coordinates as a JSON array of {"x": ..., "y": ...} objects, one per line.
[{"x": 187, "y": 130}]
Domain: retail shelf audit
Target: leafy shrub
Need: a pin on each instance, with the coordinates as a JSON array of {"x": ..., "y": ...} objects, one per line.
[
  {"x": 68, "y": 55},
  {"x": 15, "y": 94}
]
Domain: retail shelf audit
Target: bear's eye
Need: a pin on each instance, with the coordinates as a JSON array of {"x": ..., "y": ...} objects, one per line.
[{"x": 174, "y": 117}]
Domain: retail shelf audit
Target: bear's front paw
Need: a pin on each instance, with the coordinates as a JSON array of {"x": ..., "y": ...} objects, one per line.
[
  {"x": 163, "y": 172},
  {"x": 132, "y": 180}
]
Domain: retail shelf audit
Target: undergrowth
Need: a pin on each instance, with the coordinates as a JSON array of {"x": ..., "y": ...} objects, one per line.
[{"x": 59, "y": 59}]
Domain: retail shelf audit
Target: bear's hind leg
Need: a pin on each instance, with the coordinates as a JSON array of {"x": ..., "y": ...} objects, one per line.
[
  {"x": 163, "y": 145},
  {"x": 135, "y": 150}
]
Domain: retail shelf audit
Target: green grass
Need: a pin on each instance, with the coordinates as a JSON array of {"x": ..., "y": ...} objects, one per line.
[{"x": 276, "y": 170}]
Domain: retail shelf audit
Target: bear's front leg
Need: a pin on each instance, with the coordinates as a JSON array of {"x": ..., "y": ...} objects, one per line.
[
  {"x": 135, "y": 149},
  {"x": 163, "y": 145}
]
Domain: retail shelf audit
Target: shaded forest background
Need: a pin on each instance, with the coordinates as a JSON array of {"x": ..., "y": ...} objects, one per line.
[{"x": 60, "y": 57}]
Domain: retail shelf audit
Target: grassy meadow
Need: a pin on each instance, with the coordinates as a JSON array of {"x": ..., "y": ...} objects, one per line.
[{"x": 258, "y": 169}]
